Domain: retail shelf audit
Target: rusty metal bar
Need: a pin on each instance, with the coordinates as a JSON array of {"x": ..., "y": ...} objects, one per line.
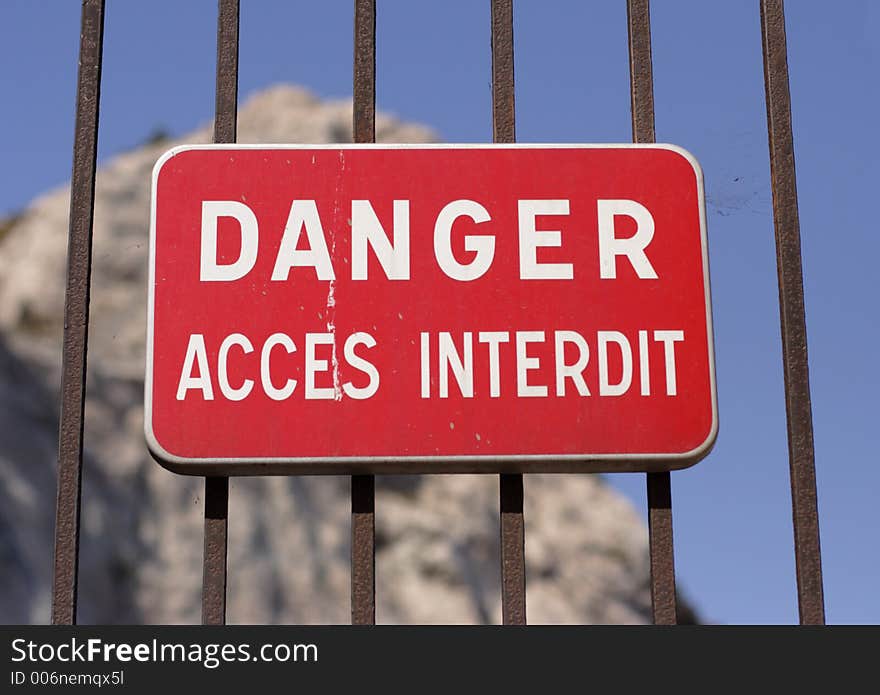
[
  {"x": 503, "y": 102},
  {"x": 659, "y": 486},
  {"x": 641, "y": 70},
  {"x": 808, "y": 556},
  {"x": 214, "y": 567},
  {"x": 663, "y": 605},
  {"x": 513, "y": 561},
  {"x": 217, "y": 488},
  {"x": 365, "y": 71},
  {"x": 76, "y": 315},
  {"x": 363, "y": 487},
  {"x": 363, "y": 550},
  {"x": 226, "y": 96},
  {"x": 513, "y": 565}
]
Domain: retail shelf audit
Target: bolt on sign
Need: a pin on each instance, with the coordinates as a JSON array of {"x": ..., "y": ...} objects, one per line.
[{"x": 328, "y": 309}]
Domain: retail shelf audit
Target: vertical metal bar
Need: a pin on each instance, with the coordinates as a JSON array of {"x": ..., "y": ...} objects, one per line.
[
  {"x": 226, "y": 98},
  {"x": 76, "y": 315},
  {"x": 805, "y": 513},
  {"x": 363, "y": 489},
  {"x": 659, "y": 486},
  {"x": 513, "y": 550},
  {"x": 503, "y": 101},
  {"x": 365, "y": 71},
  {"x": 513, "y": 565},
  {"x": 363, "y": 550},
  {"x": 217, "y": 488},
  {"x": 641, "y": 70},
  {"x": 214, "y": 561},
  {"x": 663, "y": 604}
]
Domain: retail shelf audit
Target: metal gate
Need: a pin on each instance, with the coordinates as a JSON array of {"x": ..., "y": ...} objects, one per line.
[{"x": 513, "y": 581}]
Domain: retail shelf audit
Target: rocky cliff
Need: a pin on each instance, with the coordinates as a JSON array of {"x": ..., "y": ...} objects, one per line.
[{"x": 437, "y": 536}]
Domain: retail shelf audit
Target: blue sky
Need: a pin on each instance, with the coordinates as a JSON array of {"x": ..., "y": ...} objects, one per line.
[{"x": 732, "y": 512}]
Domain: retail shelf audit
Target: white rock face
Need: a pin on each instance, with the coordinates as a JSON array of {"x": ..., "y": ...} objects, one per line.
[{"x": 437, "y": 536}]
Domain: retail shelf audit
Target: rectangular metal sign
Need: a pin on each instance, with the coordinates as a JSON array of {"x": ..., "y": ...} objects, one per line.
[{"x": 339, "y": 309}]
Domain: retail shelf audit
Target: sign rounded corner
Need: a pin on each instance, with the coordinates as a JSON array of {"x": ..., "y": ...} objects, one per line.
[
  {"x": 168, "y": 461},
  {"x": 170, "y": 154}
]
